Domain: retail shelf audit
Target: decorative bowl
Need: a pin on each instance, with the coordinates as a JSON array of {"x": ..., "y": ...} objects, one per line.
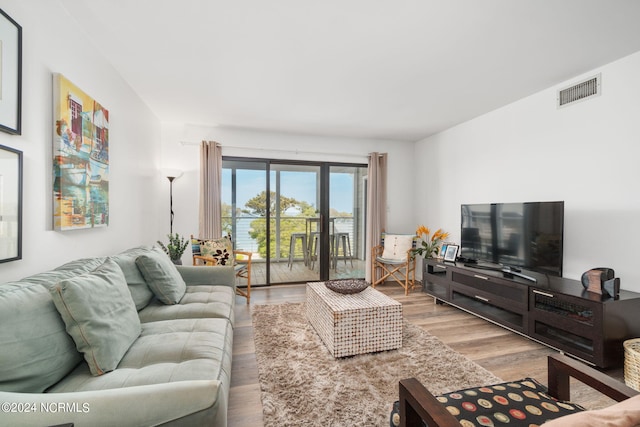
[{"x": 347, "y": 286}]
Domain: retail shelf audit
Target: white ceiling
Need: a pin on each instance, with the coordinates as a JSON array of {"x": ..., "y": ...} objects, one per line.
[{"x": 384, "y": 69}]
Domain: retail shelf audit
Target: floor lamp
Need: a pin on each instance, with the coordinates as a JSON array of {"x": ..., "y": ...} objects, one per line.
[{"x": 171, "y": 175}]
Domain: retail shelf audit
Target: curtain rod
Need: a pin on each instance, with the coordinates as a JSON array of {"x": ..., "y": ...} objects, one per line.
[{"x": 279, "y": 150}]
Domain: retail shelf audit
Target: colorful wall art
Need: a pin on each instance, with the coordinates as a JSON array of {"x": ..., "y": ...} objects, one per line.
[{"x": 80, "y": 159}]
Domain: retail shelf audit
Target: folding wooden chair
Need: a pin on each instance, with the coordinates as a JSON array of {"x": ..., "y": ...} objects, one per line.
[{"x": 393, "y": 259}]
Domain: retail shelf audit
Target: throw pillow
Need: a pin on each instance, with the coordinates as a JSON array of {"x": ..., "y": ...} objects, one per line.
[
  {"x": 162, "y": 276},
  {"x": 99, "y": 314},
  {"x": 221, "y": 250},
  {"x": 396, "y": 246}
]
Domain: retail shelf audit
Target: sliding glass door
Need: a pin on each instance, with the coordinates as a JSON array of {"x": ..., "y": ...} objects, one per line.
[
  {"x": 347, "y": 212},
  {"x": 244, "y": 210},
  {"x": 294, "y": 240},
  {"x": 308, "y": 225}
]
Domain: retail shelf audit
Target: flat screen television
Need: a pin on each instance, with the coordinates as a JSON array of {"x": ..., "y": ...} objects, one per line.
[{"x": 516, "y": 235}]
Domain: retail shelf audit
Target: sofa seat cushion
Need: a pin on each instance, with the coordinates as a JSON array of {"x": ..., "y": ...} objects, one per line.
[
  {"x": 200, "y": 301},
  {"x": 166, "y": 351}
]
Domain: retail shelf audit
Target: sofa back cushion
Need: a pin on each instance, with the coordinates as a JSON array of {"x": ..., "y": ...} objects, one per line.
[
  {"x": 140, "y": 292},
  {"x": 35, "y": 349},
  {"x": 162, "y": 276},
  {"x": 78, "y": 266},
  {"x": 99, "y": 314}
]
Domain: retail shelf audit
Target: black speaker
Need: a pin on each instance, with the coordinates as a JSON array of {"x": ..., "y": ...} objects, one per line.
[
  {"x": 612, "y": 288},
  {"x": 601, "y": 280}
]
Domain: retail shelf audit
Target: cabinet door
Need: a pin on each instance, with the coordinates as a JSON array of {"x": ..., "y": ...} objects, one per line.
[
  {"x": 513, "y": 294},
  {"x": 491, "y": 297},
  {"x": 436, "y": 278},
  {"x": 567, "y": 323}
]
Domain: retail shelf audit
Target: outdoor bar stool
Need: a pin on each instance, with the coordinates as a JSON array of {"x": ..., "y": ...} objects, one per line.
[
  {"x": 346, "y": 248},
  {"x": 314, "y": 244},
  {"x": 292, "y": 248}
]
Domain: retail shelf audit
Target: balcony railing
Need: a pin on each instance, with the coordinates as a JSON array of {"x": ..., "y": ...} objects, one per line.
[{"x": 281, "y": 230}]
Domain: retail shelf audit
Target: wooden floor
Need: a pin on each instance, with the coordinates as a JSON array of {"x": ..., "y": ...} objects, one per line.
[
  {"x": 504, "y": 353},
  {"x": 298, "y": 271}
]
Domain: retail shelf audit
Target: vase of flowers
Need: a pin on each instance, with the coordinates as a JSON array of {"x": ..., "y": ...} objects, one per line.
[
  {"x": 175, "y": 248},
  {"x": 430, "y": 243}
]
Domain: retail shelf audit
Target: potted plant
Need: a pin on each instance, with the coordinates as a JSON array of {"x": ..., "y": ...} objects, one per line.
[
  {"x": 175, "y": 248},
  {"x": 430, "y": 243}
]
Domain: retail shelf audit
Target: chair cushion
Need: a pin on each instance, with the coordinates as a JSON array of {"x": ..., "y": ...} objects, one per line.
[
  {"x": 162, "y": 276},
  {"x": 520, "y": 403},
  {"x": 220, "y": 250},
  {"x": 99, "y": 314},
  {"x": 396, "y": 246}
]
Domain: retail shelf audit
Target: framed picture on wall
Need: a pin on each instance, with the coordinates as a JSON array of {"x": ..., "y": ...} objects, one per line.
[
  {"x": 451, "y": 253},
  {"x": 10, "y": 204},
  {"x": 10, "y": 75},
  {"x": 80, "y": 158}
]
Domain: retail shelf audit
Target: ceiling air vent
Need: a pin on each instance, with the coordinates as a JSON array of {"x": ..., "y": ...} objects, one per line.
[{"x": 580, "y": 92}]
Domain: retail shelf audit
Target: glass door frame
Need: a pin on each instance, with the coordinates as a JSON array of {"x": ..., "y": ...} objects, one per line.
[{"x": 324, "y": 254}]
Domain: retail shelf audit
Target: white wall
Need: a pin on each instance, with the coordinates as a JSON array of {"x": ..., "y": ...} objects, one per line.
[
  {"x": 53, "y": 42},
  {"x": 256, "y": 144},
  {"x": 585, "y": 154}
]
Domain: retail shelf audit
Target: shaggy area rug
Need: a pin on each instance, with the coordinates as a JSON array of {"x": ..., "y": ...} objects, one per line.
[{"x": 303, "y": 385}]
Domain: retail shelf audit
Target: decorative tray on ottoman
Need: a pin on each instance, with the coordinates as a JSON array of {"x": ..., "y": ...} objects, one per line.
[{"x": 347, "y": 286}]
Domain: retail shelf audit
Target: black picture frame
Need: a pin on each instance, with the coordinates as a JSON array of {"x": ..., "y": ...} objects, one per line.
[
  {"x": 10, "y": 204},
  {"x": 451, "y": 253},
  {"x": 10, "y": 75}
]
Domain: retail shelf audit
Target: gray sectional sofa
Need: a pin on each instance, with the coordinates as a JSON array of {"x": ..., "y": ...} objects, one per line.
[{"x": 126, "y": 340}]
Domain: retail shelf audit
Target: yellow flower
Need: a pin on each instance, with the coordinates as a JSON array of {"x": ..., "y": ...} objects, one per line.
[
  {"x": 422, "y": 230},
  {"x": 439, "y": 235},
  {"x": 430, "y": 245}
]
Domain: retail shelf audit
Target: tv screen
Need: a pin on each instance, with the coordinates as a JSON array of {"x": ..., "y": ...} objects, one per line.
[{"x": 522, "y": 235}]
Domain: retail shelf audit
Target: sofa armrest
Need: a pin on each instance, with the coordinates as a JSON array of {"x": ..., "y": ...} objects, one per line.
[
  {"x": 207, "y": 275},
  {"x": 141, "y": 405},
  {"x": 418, "y": 404},
  {"x": 561, "y": 368}
]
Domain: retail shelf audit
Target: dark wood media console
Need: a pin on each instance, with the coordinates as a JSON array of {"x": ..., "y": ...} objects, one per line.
[{"x": 555, "y": 311}]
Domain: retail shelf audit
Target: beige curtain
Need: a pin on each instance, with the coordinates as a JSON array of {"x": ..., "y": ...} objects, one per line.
[
  {"x": 376, "y": 203},
  {"x": 210, "y": 217}
]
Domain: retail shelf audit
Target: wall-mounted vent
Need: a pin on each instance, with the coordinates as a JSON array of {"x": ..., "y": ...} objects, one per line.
[{"x": 580, "y": 92}]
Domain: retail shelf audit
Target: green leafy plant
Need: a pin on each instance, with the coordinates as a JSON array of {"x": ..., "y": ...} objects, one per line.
[{"x": 176, "y": 246}]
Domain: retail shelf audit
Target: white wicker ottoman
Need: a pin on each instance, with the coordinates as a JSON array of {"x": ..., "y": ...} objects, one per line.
[{"x": 351, "y": 324}]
